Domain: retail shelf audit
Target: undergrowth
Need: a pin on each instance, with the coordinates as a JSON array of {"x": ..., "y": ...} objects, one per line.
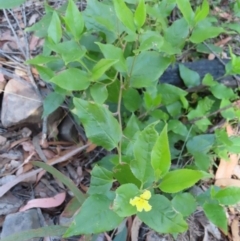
[{"x": 107, "y": 60}]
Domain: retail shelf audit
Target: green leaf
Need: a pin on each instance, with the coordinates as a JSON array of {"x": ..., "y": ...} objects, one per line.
[
  {"x": 99, "y": 123},
  {"x": 121, "y": 203},
  {"x": 202, "y": 48},
  {"x": 186, "y": 10},
  {"x": 200, "y": 34},
  {"x": 40, "y": 28},
  {"x": 101, "y": 67},
  {"x": 99, "y": 92},
  {"x": 208, "y": 80},
  {"x": 62, "y": 178},
  {"x": 132, "y": 127},
  {"x": 184, "y": 203},
  {"x": 150, "y": 40},
  {"x": 54, "y": 230},
  {"x": 140, "y": 14},
  {"x": 162, "y": 218},
  {"x": 101, "y": 18},
  {"x": 74, "y": 20},
  {"x": 170, "y": 93},
  {"x": 177, "y": 127},
  {"x": 220, "y": 91},
  {"x": 175, "y": 37},
  {"x": 123, "y": 174},
  {"x": 131, "y": 99},
  {"x": 41, "y": 59},
  {"x": 141, "y": 166},
  {"x": 130, "y": 134},
  {"x": 201, "y": 143},
  {"x": 112, "y": 52},
  {"x": 52, "y": 102},
  {"x": 229, "y": 113},
  {"x": 228, "y": 196},
  {"x": 69, "y": 50},
  {"x": 72, "y": 79},
  {"x": 202, "y": 160},
  {"x": 216, "y": 214},
  {"x": 145, "y": 69},
  {"x": 101, "y": 180},
  {"x": 10, "y": 3},
  {"x": 202, "y": 13},
  {"x": 95, "y": 216},
  {"x": 45, "y": 73},
  {"x": 55, "y": 29},
  {"x": 124, "y": 14},
  {"x": 160, "y": 155},
  {"x": 178, "y": 180},
  {"x": 189, "y": 77}
]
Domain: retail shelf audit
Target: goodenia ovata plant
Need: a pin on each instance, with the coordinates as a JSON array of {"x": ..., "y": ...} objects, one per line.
[{"x": 107, "y": 61}]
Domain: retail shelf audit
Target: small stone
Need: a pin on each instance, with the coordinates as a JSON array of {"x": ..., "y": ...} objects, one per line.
[
  {"x": 21, "y": 104},
  {"x": 22, "y": 221},
  {"x": 9, "y": 204},
  {"x": 3, "y": 140}
]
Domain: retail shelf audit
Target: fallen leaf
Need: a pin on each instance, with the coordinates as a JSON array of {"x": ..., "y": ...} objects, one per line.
[
  {"x": 135, "y": 228},
  {"x": 225, "y": 168},
  {"x": 53, "y": 161},
  {"x": 227, "y": 182},
  {"x": 91, "y": 147},
  {"x": 235, "y": 229},
  {"x": 50, "y": 202},
  {"x": 236, "y": 171}
]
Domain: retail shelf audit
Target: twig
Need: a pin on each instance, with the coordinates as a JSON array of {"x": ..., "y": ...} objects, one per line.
[
  {"x": 13, "y": 31},
  {"x": 11, "y": 75},
  {"x": 210, "y": 114},
  {"x": 45, "y": 119}
]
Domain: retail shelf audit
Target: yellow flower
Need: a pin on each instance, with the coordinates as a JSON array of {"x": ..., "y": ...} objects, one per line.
[{"x": 141, "y": 202}]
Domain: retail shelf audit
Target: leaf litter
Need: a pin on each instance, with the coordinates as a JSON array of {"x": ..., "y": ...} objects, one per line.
[{"x": 24, "y": 150}]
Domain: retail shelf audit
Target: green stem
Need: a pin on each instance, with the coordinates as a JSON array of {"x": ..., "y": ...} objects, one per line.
[{"x": 120, "y": 118}]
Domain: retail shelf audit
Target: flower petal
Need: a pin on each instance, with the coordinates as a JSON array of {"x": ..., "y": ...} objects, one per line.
[
  {"x": 147, "y": 207},
  {"x": 134, "y": 201},
  {"x": 146, "y": 195}
]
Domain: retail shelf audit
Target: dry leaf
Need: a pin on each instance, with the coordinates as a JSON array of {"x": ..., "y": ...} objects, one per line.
[
  {"x": 50, "y": 202},
  {"x": 225, "y": 168},
  {"x": 135, "y": 228},
  {"x": 227, "y": 182},
  {"x": 55, "y": 160},
  {"x": 235, "y": 229}
]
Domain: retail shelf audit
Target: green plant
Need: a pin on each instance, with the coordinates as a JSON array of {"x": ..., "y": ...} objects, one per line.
[{"x": 108, "y": 59}]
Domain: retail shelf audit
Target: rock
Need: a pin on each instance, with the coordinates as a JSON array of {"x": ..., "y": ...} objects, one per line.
[
  {"x": 21, "y": 221},
  {"x": 3, "y": 140},
  {"x": 68, "y": 131},
  {"x": 9, "y": 204},
  {"x": 21, "y": 104}
]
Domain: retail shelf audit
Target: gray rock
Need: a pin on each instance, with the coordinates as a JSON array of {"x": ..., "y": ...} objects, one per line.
[
  {"x": 21, "y": 104},
  {"x": 9, "y": 204},
  {"x": 22, "y": 221}
]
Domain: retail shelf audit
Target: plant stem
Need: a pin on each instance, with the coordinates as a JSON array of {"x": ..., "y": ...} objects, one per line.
[{"x": 120, "y": 118}]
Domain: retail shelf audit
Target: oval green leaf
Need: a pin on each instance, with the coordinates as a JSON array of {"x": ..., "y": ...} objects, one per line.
[
  {"x": 162, "y": 218},
  {"x": 99, "y": 123},
  {"x": 160, "y": 155},
  {"x": 121, "y": 203},
  {"x": 95, "y": 216},
  {"x": 72, "y": 79},
  {"x": 178, "y": 180},
  {"x": 216, "y": 214},
  {"x": 228, "y": 196}
]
